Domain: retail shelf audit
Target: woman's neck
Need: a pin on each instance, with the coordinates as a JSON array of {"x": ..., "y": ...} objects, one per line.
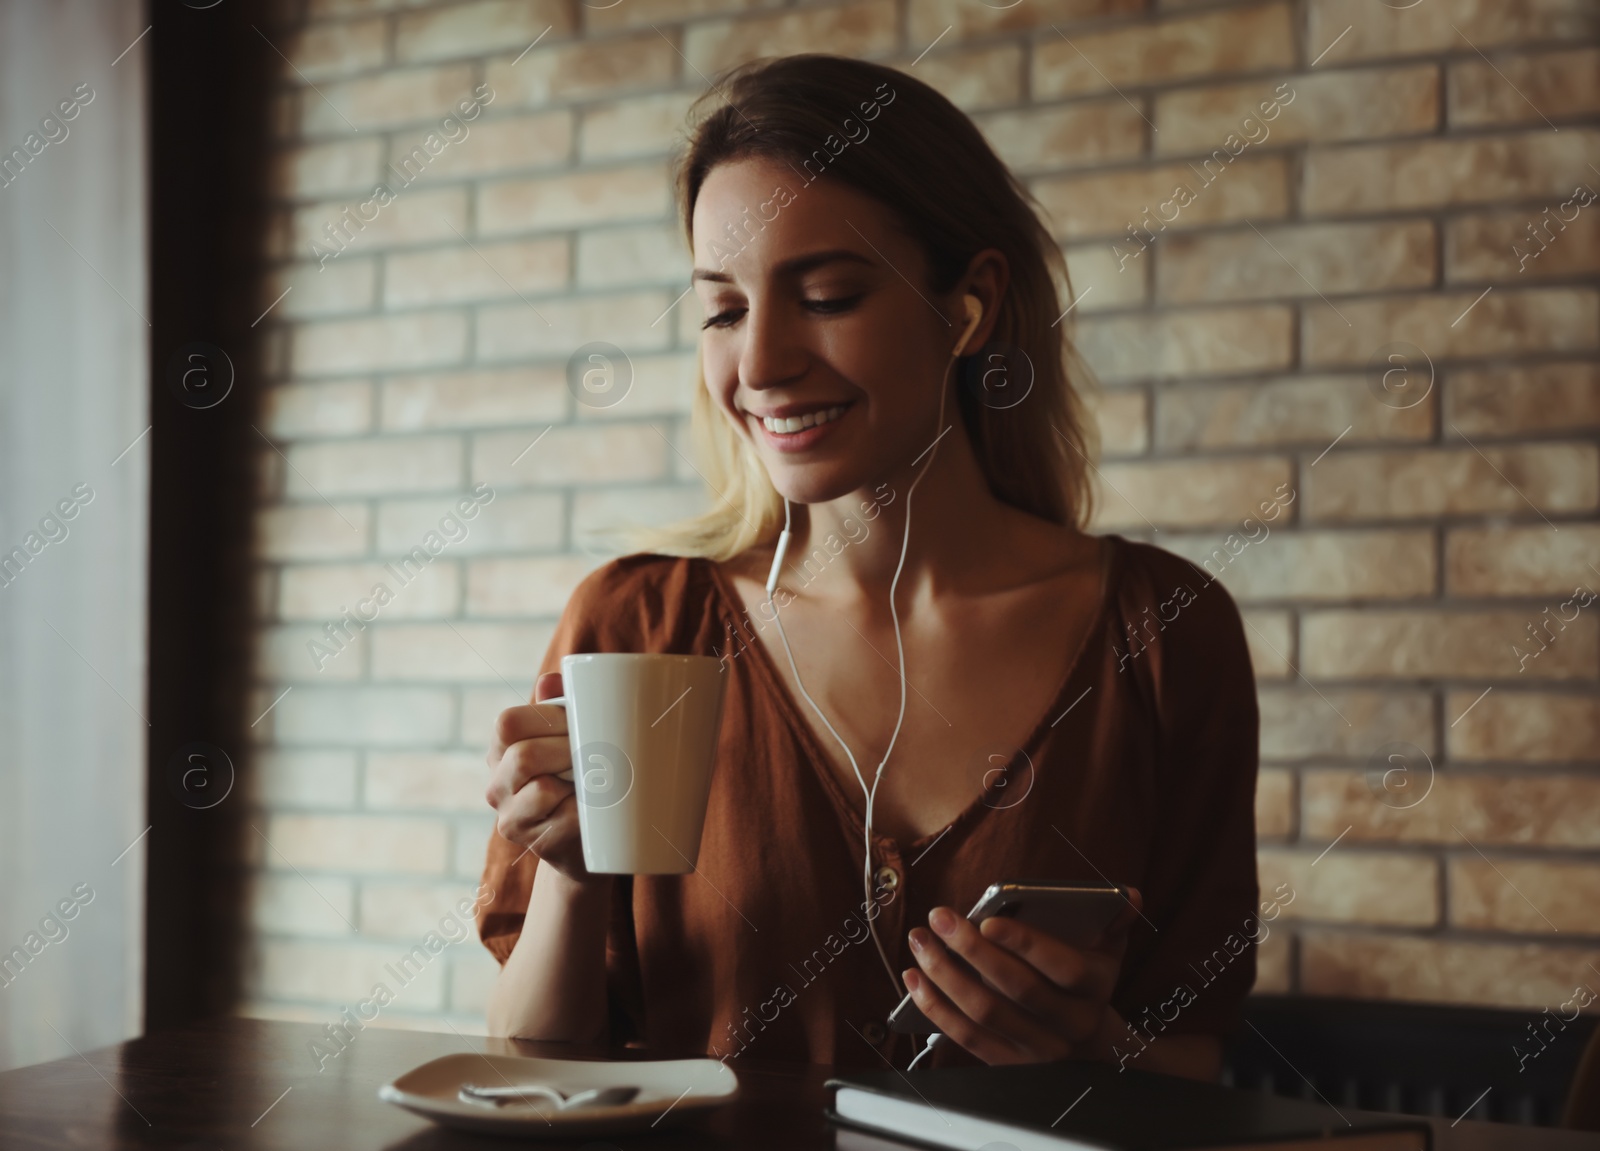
[{"x": 958, "y": 531}]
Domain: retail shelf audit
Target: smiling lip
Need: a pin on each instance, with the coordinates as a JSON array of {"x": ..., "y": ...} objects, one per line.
[{"x": 821, "y": 417}]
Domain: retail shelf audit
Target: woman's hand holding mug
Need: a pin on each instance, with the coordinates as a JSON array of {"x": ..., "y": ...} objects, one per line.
[{"x": 535, "y": 805}]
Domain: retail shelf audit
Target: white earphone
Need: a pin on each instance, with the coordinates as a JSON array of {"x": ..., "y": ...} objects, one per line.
[{"x": 974, "y": 312}]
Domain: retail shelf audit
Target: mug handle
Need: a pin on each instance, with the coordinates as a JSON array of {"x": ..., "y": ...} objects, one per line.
[{"x": 561, "y": 702}]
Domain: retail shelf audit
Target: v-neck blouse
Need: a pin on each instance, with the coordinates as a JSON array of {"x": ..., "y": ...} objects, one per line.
[{"x": 1141, "y": 772}]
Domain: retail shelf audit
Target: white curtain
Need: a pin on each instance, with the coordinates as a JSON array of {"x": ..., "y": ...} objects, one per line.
[{"x": 74, "y": 487}]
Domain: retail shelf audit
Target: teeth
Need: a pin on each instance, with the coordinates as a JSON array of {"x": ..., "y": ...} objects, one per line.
[{"x": 793, "y": 424}]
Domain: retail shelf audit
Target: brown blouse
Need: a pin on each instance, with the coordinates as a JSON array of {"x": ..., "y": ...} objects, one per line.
[{"x": 1141, "y": 772}]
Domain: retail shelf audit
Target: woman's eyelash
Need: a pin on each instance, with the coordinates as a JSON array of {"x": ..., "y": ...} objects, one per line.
[{"x": 827, "y": 307}]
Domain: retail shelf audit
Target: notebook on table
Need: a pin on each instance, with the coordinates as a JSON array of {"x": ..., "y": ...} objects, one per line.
[{"x": 1083, "y": 1106}]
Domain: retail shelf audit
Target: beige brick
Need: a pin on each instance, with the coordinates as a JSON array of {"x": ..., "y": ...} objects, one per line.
[
  {"x": 1320, "y": 565},
  {"x": 300, "y": 290},
  {"x": 322, "y": 51},
  {"x": 1525, "y": 89},
  {"x": 1449, "y": 26},
  {"x": 302, "y": 653},
  {"x": 1547, "y": 811},
  {"x": 321, "y": 593},
  {"x": 507, "y": 144},
  {"x": 342, "y": 975},
  {"x": 1521, "y": 561},
  {"x": 1529, "y": 975},
  {"x": 1521, "y": 245},
  {"x": 515, "y": 331},
  {"x": 1531, "y": 896},
  {"x": 280, "y": 778},
  {"x": 482, "y": 26},
  {"x": 525, "y": 522},
  {"x": 289, "y": 904},
  {"x": 479, "y": 398},
  {"x": 412, "y": 217},
  {"x": 865, "y": 28},
  {"x": 1274, "y": 804},
  {"x": 356, "y": 844},
  {"x": 1409, "y": 484},
  {"x": 1274, "y": 961},
  {"x": 1249, "y": 39},
  {"x": 1269, "y": 635},
  {"x": 457, "y": 653},
  {"x": 1100, "y": 281},
  {"x": 606, "y": 68},
  {"x": 662, "y": 385},
  {"x": 481, "y": 272},
  {"x": 570, "y": 455},
  {"x": 473, "y": 974},
  {"x": 426, "y": 781},
  {"x": 601, "y": 519},
  {"x": 1272, "y": 263},
  {"x": 636, "y": 126},
  {"x": 1502, "y": 322},
  {"x": 1442, "y": 645},
  {"x": 1114, "y": 204},
  {"x": 926, "y": 19},
  {"x": 385, "y": 100},
  {"x": 524, "y": 587},
  {"x": 1122, "y": 415},
  {"x": 574, "y": 200},
  {"x": 1363, "y": 105},
  {"x": 409, "y": 911},
  {"x": 1068, "y": 136},
  {"x": 1446, "y": 172},
  {"x": 330, "y": 409},
  {"x": 417, "y": 340},
  {"x": 1309, "y": 410},
  {"x": 313, "y": 170},
  {"x": 374, "y": 466},
  {"x": 1525, "y": 726},
  {"x": 367, "y": 717},
  {"x": 972, "y": 78},
  {"x": 1298, "y": 722},
  {"x": 313, "y": 532},
  {"x": 625, "y": 257},
  {"x": 1186, "y": 492},
  {"x": 612, "y": 17},
  {"x": 1190, "y": 343},
  {"x": 1522, "y": 400},
  {"x": 1389, "y": 888}
]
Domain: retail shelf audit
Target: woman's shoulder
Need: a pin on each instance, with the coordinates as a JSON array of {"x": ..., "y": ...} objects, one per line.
[
  {"x": 640, "y": 602},
  {"x": 1173, "y": 602}
]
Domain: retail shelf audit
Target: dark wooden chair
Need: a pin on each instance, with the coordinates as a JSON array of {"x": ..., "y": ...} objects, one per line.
[{"x": 1421, "y": 1059}]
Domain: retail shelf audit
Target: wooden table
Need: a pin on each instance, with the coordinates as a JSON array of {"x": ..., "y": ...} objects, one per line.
[{"x": 244, "y": 1083}]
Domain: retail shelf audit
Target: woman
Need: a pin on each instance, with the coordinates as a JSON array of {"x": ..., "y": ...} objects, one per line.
[{"x": 1073, "y": 708}]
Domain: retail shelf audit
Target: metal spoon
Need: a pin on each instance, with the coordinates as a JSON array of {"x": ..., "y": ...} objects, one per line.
[{"x": 593, "y": 1097}]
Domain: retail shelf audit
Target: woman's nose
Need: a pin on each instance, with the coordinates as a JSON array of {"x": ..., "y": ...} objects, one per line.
[{"x": 773, "y": 353}]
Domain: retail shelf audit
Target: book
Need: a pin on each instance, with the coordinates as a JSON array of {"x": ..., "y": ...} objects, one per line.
[{"x": 1087, "y": 1106}]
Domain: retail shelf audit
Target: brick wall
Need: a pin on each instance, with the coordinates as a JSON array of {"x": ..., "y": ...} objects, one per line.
[{"x": 1339, "y": 319}]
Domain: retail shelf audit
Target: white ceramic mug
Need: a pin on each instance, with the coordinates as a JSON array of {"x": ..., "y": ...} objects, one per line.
[{"x": 643, "y": 729}]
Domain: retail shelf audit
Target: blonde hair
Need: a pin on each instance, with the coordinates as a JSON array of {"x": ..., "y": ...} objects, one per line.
[{"x": 1034, "y": 454}]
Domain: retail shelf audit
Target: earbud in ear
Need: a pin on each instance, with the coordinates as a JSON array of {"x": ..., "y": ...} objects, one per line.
[{"x": 974, "y": 316}]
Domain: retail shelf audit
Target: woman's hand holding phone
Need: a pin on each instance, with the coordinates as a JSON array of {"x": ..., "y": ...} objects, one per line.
[
  {"x": 536, "y": 808},
  {"x": 1038, "y": 998}
]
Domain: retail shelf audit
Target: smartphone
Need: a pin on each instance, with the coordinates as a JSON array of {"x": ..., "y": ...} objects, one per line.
[{"x": 1074, "y": 914}]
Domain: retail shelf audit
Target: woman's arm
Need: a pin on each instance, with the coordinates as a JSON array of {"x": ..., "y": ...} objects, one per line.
[{"x": 553, "y": 984}]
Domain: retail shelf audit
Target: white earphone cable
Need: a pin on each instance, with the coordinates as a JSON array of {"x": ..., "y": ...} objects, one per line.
[{"x": 894, "y": 614}]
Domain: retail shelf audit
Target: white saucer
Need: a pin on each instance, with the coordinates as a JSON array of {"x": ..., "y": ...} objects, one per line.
[{"x": 669, "y": 1090}]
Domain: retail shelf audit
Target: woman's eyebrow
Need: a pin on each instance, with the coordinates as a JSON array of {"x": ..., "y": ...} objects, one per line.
[{"x": 794, "y": 266}]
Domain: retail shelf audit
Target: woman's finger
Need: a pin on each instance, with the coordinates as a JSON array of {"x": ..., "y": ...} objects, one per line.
[
  {"x": 1063, "y": 1009},
  {"x": 953, "y": 1023},
  {"x": 987, "y": 1008},
  {"x": 1083, "y": 972}
]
